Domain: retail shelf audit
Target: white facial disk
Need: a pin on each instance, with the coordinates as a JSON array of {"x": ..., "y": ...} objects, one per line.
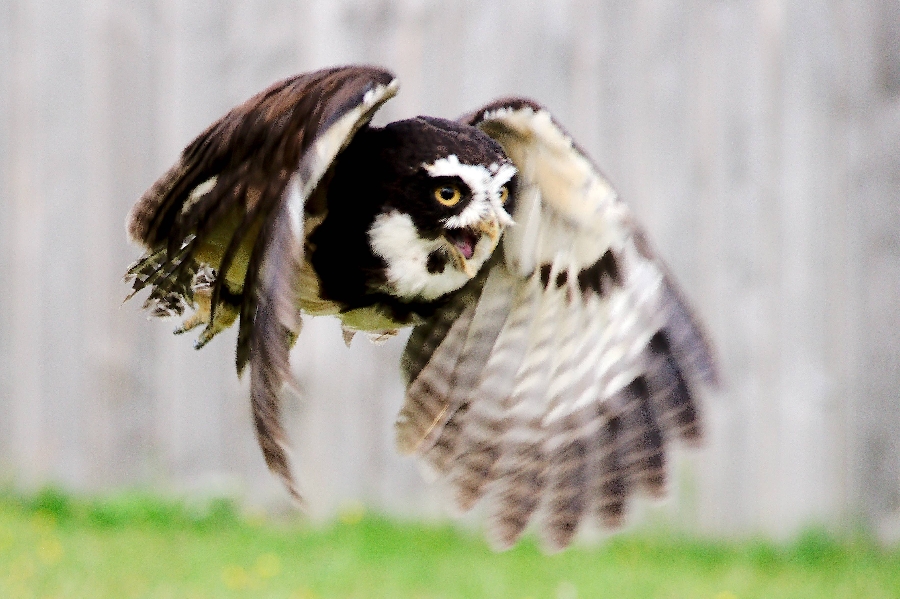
[{"x": 395, "y": 238}]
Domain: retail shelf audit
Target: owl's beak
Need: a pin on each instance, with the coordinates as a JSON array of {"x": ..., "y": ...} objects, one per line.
[{"x": 470, "y": 246}]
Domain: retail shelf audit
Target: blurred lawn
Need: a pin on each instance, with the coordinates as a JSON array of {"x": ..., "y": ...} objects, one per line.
[{"x": 140, "y": 546}]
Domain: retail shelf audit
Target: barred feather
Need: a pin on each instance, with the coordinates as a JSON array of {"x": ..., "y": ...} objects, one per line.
[
  {"x": 480, "y": 429},
  {"x": 428, "y": 396},
  {"x": 573, "y": 402},
  {"x": 276, "y": 322},
  {"x": 570, "y": 471}
]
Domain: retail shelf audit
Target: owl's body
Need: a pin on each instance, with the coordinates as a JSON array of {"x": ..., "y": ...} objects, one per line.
[
  {"x": 552, "y": 353},
  {"x": 383, "y": 252},
  {"x": 379, "y": 253}
]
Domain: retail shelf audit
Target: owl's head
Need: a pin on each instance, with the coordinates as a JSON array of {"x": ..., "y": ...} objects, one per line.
[{"x": 451, "y": 189}]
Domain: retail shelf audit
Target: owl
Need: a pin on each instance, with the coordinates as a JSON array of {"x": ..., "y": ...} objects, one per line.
[{"x": 552, "y": 358}]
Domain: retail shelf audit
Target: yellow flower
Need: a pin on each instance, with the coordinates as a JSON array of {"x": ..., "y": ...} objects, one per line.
[
  {"x": 352, "y": 512},
  {"x": 235, "y": 577},
  {"x": 20, "y": 570},
  {"x": 267, "y": 565},
  {"x": 50, "y": 550},
  {"x": 43, "y": 522}
]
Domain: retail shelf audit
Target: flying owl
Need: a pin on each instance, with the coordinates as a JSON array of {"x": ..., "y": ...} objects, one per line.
[{"x": 552, "y": 356}]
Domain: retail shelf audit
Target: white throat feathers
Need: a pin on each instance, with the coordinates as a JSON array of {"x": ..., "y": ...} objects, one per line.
[
  {"x": 409, "y": 256},
  {"x": 396, "y": 240}
]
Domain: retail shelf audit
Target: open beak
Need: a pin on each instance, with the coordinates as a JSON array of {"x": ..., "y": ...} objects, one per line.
[{"x": 470, "y": 245}]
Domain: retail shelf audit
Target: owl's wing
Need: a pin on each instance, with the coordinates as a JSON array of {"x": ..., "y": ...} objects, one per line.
[
  {"x": 553, "y": 384},
  {"x": 226, "y": 222}
]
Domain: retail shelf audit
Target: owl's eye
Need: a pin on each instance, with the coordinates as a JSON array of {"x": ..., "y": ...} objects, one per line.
[
  {"x": 504, "y": 194},
  {"x": 448, "y": 195}
]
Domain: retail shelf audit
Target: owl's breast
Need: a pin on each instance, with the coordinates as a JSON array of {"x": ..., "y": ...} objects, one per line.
[{"x": 375, "y": 318}]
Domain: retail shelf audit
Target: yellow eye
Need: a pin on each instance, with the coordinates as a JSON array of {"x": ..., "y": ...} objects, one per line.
[
  {"x": 504, "y": 194},
  {"x": 448, "y": 195}
]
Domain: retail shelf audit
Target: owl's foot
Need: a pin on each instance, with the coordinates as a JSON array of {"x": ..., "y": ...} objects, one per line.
[{"x": 224, "y": 317}]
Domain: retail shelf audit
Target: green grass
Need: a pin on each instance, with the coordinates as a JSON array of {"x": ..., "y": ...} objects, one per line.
[{"x": 139, "y": 546}]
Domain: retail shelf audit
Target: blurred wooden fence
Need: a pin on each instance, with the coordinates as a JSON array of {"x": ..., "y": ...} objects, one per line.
[{"x": 759, "y": 141}]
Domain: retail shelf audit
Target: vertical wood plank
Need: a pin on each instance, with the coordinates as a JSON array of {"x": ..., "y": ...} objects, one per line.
[
  {"x": 756, "y": 140},
  {"x": 7, "y": 22},
  {"x": 871, "y": 92}
]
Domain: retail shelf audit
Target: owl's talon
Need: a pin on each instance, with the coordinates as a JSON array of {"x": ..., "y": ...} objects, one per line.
[
  {"x": 224, "y": 318},
  {"x": 203, "y": 339},
  {"x": 192, "y": 322}
]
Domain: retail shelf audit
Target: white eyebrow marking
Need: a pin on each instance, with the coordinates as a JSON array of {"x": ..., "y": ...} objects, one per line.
[{"x": 485, "y": 183}]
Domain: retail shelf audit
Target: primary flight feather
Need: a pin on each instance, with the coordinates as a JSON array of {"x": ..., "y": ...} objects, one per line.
[{"x": 552, "y": 357}]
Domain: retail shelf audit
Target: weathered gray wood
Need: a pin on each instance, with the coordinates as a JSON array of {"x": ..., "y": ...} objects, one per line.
[
  {"x": 870, "y": 95},
  {"x": 757, "y": 140},
  {"x": 7, "y": 16}
]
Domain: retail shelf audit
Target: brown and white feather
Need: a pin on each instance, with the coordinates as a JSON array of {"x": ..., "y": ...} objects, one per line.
[
  {"x": 550, "y": 385},
  {"x": 234, "y": 204},
  {"x": 585, "y": 375}
]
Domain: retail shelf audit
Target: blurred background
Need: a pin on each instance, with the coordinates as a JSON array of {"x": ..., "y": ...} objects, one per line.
[{"x": 757, "y": 140}]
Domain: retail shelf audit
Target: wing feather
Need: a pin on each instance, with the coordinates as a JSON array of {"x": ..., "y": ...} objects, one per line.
[
  {"x": 522, "y": 469},
  {"x": 428, "y": 396},
  {"x": 568, "y": 431},
  {"x": 481, "y": 426},
  {"x": 275, "y": 322},
  {"x": 519, "y": 483},
  {"x": 571, "y": 403},
  {"x": 610, "y": 488},
  {"x": 570, "y": 471},
  {"x": 233, "y": 208},
  {"x": 432, "y": 402}
]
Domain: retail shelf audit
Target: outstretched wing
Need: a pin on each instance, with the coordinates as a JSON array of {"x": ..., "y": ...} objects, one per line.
[
  {"x": 553, "y": 384},
  {"x": 224, "y": 227}
]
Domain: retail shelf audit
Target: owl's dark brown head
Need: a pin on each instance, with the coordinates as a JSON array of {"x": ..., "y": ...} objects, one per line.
[{"x": 429, "y": 199}]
